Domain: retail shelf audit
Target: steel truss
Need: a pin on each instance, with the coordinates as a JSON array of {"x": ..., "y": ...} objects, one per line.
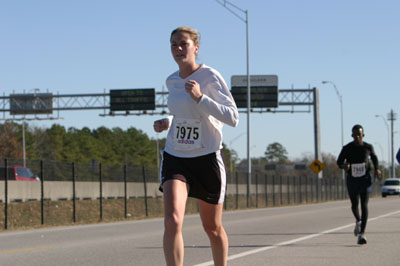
[{"x": 299, "y": 100}]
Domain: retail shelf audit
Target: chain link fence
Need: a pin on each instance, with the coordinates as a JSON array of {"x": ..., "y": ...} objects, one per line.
[{"x": 72, "y": 193}]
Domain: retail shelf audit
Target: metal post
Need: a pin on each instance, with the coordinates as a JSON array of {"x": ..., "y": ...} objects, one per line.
[
  {"x": 273, "y": 191},
  {"x": 288, "y": 189},
  {"x": 101, "y": 190},
  {"x": 145, "y": 191},
  {"x": 317, "y": 129},
  {"x": 343, "y": 190},
  {"x": 300, "y": 190},
  {"x": 158, "y": 153},
  {"x": 337, "y": 189},
  {"x": 311, "y": 189},
  {"x": 125, "y": 193},
  {"x": 42, "y": 192},
  {"x": 294, "y": 190},
  {"x": 256, "y": 190},
  {"x": 23, "y": 144},
  {"x": 266, "y": 189},
  {"x": 237, "y": 190},
  {"x": 280, "y": 191},
  {"x": 306, "y": 178},
  {"x": 73, "y": 193},
  {"x": 326, "y": 188},
  {"x": 5, "y": 194}
]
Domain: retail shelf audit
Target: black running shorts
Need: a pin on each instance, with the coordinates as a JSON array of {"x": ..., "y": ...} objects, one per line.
[{"x": 205, "y": 175}]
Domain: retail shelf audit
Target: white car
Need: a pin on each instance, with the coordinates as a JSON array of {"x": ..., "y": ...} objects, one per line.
[{"x": 391, "y": 186}]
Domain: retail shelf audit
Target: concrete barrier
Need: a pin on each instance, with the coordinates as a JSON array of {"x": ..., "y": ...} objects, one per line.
[
  {"x": 62, "y": 190},
  {"x": 56, "y": 190}
]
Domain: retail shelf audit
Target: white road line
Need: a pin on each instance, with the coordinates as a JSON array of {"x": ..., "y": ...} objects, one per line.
[{"x": 257, "y": 250}]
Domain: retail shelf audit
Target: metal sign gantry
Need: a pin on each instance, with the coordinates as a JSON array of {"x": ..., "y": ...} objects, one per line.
[
  {"x": 290, "y": 101},
  {"x": 296, "y": 99}
]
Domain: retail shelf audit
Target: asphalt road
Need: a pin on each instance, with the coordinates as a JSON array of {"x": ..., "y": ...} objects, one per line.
[{"x": 315, "y": 234}]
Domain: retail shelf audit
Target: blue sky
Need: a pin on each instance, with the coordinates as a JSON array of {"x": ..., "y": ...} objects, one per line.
[{"x": 88, "y": 46}]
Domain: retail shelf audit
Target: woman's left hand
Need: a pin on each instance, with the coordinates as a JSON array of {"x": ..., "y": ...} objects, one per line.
[{"x": 193, "y": 88}]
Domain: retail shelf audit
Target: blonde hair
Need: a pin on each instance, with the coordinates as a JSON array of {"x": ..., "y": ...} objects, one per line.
[{"x": 193, "y": 33}]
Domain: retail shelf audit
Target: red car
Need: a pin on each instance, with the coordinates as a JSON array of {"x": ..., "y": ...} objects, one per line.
[{"x": 18, "y": 173}]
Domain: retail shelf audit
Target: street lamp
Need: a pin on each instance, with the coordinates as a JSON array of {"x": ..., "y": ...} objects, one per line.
[
  {"x": 228, "y": 5},
  {"x": 388, "y": 132},
  {"x": 341, "y": 109}
]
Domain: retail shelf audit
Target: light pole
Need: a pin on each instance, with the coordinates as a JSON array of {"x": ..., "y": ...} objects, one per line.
[
  {"x": 228, "y": 5},
  {"x": 341, "y": 110},
  {"x": 388, "y": 145}
]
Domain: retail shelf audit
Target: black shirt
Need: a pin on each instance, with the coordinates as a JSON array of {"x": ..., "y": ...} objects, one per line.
[{"x": 353, "y": 153}]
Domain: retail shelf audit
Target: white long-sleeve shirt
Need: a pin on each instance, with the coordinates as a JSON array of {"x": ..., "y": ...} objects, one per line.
[{"x": 196, "y": 128}]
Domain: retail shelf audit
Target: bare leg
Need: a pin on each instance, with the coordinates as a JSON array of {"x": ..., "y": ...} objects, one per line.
[
  {"x": 211, "y": 217},
  {"x": 175, "y": 196}
]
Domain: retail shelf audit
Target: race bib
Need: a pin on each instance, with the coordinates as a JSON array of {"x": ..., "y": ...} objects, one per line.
[
  {"x": 187, "y": 134},
  {"x": 358, "y": 169}
]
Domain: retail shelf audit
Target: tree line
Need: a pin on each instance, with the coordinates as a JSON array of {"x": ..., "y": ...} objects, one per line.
[
  {"x": 109, "y": 146},
  {"x": 132, "y": 146},
  {"x": 113, "y": 146}
]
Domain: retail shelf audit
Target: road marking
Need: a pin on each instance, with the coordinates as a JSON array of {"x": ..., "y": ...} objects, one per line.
[
  {"x": 22, "y": 250},
  {"x": 285, "y": 243}
]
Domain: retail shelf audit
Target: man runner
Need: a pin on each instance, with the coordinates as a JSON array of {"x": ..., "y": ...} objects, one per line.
[{"x": 354, "y": 159}]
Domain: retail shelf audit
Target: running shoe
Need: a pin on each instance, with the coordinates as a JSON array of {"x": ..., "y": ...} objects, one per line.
[
  {"x": 362, "y": 240},
  {"x": 357, "y": 229}
]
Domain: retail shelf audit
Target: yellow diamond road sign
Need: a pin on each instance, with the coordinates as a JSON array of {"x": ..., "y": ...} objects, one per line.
[{"x": 317, "y": 166}]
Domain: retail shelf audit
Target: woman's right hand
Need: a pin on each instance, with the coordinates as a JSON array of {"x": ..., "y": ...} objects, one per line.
[{"x": 161, "y": 125}]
